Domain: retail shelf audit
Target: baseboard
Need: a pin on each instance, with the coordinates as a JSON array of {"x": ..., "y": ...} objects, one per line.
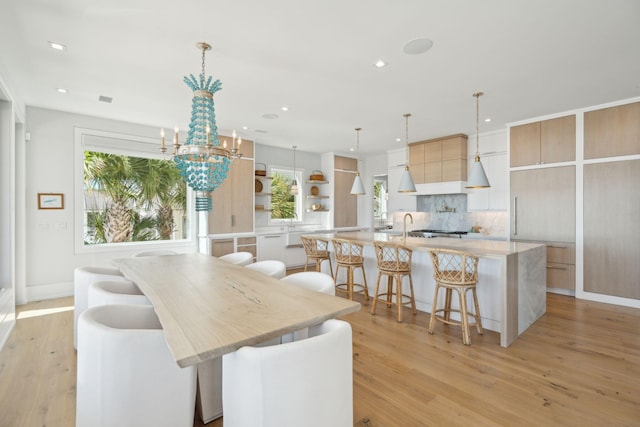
[{"x": 49, "y": 291}]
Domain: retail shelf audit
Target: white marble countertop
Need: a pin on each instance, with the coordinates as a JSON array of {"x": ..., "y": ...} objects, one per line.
[{"x": 478, "y": 247}]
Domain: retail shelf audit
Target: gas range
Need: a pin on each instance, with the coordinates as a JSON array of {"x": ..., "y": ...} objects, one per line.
[{"x": 430, "y": 234}]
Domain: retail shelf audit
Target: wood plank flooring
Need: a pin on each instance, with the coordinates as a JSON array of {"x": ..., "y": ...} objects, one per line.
[{"x": 579, "y": 365}]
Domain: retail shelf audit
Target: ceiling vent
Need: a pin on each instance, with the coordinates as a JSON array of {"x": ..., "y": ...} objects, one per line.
[{"x": 106, "y": 99}]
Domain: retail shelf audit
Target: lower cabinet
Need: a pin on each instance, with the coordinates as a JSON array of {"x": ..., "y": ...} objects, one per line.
[
  {"x": 561, "y": 268},
  {"x": 294, "y": 256},
  {"x": 229, "y": 245},
  {"x": 271, "y": 247}
]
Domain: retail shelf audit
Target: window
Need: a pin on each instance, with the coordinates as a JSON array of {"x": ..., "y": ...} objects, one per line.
[
  {"x": 127, "y": 192},
  {"x": 284, "y": 205}
]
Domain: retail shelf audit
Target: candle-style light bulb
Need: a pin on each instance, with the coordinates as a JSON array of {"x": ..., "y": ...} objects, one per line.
[
  {"x": 239, "y": 142},
  {"x": 208, "y": 135},
  {"x": 164, "y": 148}
]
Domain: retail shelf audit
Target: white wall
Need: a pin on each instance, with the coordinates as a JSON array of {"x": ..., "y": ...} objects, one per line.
[{"x": 50, "y": 252}]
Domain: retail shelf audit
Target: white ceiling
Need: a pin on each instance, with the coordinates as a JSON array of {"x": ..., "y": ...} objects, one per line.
[{"x": 531, "y": 58}]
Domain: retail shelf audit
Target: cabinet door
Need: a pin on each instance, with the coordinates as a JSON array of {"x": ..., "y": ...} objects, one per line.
[
  {"x": 221, "y": 247},
  {"x": 233, "y": 201},
  {"x": 611, "y": 216},
  {"x": 524, "y": 142},
  {"x": 613, "y": 131},
  {"x": 543, "y": 204},
  {"x": 345, "y": 204},
  {"x": 271, "y": 247},
  {"x": 416, "y": 163},
  {"x": 558, "y": 140}
]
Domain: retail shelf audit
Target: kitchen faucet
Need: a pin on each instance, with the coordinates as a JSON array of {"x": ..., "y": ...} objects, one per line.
[
  {"x": 291, "y": 224},
  {"x": 404, "y": 226}
]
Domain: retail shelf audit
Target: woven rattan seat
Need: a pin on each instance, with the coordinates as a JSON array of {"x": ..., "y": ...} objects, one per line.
[
  {"x": 394, "y": 261},
  {"x": 317, "y": 250},
  {"x": 349, "y": 255},
  {"x": 454, "y": 270}
]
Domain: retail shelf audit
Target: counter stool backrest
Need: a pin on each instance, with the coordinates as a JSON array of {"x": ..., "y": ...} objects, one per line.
[
  {"x": 454, "y": 267},
  {"x": 393, "y": 257},
  {"x": 315, "y": 246},
  {"x": 348, "y": 252}
]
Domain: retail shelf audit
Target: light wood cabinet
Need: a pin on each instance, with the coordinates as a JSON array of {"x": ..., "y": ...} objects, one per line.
[
  {"x": 543, "y": 204},
  {"x": 345, "y": 204},
  {"x": 548, "y": 141},
  {"x": 561, "y": 269},
  {"x": 611, "y": 216},
  {"x": 233, "y": 201},
  {"x": 439, "y": 160},
  {"x": 613, "y": 131},
  {"x": 220, "y": 247}
]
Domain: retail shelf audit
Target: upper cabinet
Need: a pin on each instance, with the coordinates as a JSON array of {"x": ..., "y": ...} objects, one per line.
[
  {"x": 613, "y": 131},
  {"x": 439, "y": 160},
  {"x": 547, "y": 141}
]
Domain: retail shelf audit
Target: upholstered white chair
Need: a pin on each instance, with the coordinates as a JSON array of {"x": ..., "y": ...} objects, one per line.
[
  {"x": 273, "y": 268},
  {"x": 82, "y": 278},
  {"x": 126, "y": 373},
  {"x": 113, "y": 292},
  {"x": 156, "y": 252},
  {"x": 312, "y": 280},
  {"x": 302, "y": 383},
  {"x": 238, "y": 258}
]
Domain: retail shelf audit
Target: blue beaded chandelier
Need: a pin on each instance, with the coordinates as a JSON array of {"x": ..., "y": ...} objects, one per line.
[{"x": 202, "y": 162}]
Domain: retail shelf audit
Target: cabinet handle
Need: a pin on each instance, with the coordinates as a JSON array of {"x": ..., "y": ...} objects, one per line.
[
  {"x": 515, "y": 215},
  {"x": 556, "y": 267},
  {"x": 556, "y": 247},
  {"x": 272, "y": 237},
  {"x": 233, "y": 220}
]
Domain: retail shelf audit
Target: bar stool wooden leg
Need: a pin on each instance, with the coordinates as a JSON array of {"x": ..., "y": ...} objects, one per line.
[
  {"x": 414, "y": 310},
  {"x": 375, "y": 298},
  {"x": 350, "y": 281},
  {"x": 398, "y": 279},
  {"x": 464, "y": 317},
  {"x": 477, "y": 312},
  {"x": 434, "y": 308},
  {"x": 447, "y": 304},
  {"x": 364, "y": 283}
]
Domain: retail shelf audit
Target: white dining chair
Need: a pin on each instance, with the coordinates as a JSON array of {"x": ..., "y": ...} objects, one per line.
[
  {"x": 155, "y": 252},
  {"x": 126, "y": 375},
  {"x": 302, "y": 383},
  {"x": 238, "y": 258},
  {"x": 82, "y": 278},
  {"x": 312, "y": 280},
  {"x": 273, "y": 268},
  {"x": 106, "y": 292}
]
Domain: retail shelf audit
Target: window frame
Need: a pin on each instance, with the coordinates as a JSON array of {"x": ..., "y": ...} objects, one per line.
[{"x": 127, "y": 145}]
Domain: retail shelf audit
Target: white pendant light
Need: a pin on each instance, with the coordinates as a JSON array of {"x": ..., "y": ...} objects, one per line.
[
  {"x": 357, "y": 188},
  {"x": 406, "y": 182},
  {"x": 477, "y": 177},
  {"x": 294, "y": 183}
]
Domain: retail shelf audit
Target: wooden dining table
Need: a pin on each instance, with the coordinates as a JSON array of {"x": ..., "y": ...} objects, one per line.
[{"x": 209, "y": 307}]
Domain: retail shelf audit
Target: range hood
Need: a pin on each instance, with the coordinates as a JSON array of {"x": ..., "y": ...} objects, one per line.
[{"x": 434, "y": 188}]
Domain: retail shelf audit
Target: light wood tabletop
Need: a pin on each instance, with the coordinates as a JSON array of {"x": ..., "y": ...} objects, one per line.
[{"x": 208, "y": 307}]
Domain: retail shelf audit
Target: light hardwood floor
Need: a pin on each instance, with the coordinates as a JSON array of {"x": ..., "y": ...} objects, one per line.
[{"x": 579, "y": 365}]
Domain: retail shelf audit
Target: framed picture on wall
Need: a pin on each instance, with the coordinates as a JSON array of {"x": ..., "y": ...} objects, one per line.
[{"x": 50, "y": 201}]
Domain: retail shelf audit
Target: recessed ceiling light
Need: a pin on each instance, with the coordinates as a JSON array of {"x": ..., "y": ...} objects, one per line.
[
  {"x": 398, "y": 140},
  {"x": 270, "y": 116},
  {"x": 380, "y": 63},
  {"x": 285, "y": 108},
  {"x": 245, "y": 127},
  {"x": 62, "y": 90},
  {"x": 417, "y": 46},
  {"x": 487, "y": 120},
  {"x": 57, "y": 46},
  {"x": 352, "y": 149}
]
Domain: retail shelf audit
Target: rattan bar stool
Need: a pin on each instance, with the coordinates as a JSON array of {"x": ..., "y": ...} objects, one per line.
[
  {"x": 394, "y": 261},
  {"x": 454, "y": 270},
  {"x": 349, "y": 255},
  {"x": 317, "y": 249}
]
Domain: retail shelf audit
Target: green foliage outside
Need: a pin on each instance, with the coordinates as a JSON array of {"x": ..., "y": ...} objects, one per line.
[
  {"x": 138, "y": 198},
  {"x": 283, "y": 204}
]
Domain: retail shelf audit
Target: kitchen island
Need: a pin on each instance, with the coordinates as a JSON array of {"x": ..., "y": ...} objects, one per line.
[{"x": 511, "y": 277}]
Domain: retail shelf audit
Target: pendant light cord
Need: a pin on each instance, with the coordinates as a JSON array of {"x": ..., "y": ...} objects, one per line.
[
  {"x": 406, "y": 117},
  {"x": 478, "y": 95}
]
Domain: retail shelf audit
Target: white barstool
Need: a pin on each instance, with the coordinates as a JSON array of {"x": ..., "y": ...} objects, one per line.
[
  {"x": 82, "y": 278},
  {"x": 273, "y": 268},
  {"x": 157, "y": 252},
  {"x": 307, "y": 382},
  {"x": 238, "y": 258},
  {"x": 126, "y": 373},
  {"x": 113, "y": 292}
]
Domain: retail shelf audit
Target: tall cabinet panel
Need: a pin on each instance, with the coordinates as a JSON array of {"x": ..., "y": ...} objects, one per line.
[
  {"x": 233, "y": 201},
  {"x": 613, "y": 131},
  {"x": 611, "y": 216},
  {"x": 345, "y": 203}
]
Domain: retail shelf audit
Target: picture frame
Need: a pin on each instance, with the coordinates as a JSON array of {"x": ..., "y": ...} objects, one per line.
[{"x": 50, "y": 201}]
